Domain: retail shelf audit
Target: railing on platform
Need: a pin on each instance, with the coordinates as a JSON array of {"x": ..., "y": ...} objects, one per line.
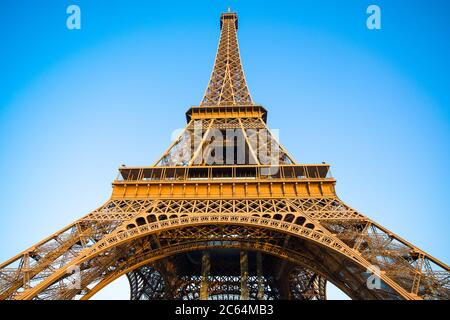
[{"x": 239, "y": 172}]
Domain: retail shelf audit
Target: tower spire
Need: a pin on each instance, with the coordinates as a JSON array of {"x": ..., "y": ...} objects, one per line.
[{"x": 227, "y": 86}]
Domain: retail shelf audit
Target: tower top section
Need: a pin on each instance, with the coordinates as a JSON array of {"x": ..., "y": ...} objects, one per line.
[
  {"x": 227, "y": 86},
  {"x": 229, "y": 16}
]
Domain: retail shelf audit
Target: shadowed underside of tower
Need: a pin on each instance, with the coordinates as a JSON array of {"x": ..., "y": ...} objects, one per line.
[{"x": 225, "y": 213}]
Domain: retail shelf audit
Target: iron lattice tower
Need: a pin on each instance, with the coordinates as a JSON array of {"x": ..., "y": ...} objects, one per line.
[{"x": 258, "y": 226}]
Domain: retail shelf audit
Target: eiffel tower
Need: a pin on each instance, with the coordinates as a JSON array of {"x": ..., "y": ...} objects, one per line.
[{"x": 225, "y": 213}]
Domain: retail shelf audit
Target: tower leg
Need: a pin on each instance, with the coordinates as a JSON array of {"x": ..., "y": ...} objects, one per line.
[
  {"x": 206, "y": 268},
  {"x": 244, "y": 276},
  {"x": 260, "y": 275}
]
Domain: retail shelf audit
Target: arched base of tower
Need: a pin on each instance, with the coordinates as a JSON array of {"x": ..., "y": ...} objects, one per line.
[{"x": 225, "y": 274}]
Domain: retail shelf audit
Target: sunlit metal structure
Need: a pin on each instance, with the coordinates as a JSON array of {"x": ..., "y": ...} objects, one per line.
[{"x": 257, "y": 226}]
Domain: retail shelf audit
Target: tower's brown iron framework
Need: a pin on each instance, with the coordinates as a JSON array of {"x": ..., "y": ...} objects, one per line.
[{"x": 225, "y": 213}]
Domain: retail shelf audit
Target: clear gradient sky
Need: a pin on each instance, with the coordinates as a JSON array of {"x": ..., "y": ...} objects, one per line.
[{"x": 75, "y": 105}]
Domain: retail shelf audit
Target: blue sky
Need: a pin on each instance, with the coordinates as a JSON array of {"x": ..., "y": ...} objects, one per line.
[{"x": 75, "y": 105}]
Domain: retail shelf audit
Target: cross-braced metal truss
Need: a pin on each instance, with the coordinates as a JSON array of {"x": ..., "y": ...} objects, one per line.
[
  {"x": 349, "y": 241},
  {"x": 183, "y": 277},
  {"x": 227, "y": 85},
  {"x": 228, "y": 141},
  {"x": 280, "y": 225}
]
